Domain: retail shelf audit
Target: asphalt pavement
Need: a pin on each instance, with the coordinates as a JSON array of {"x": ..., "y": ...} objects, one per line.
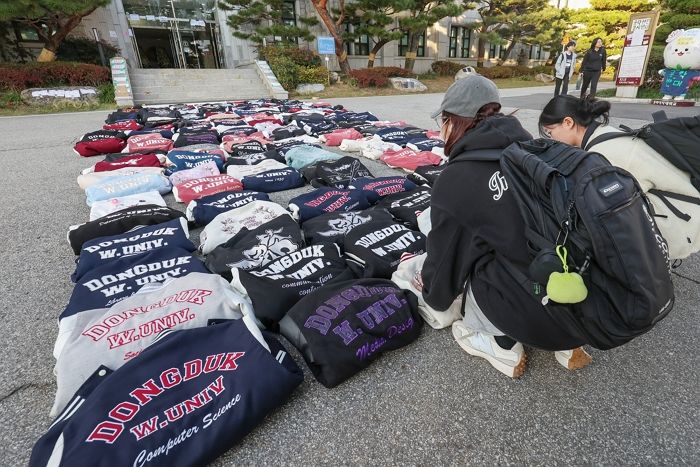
[{"x": 429, "y": 403}]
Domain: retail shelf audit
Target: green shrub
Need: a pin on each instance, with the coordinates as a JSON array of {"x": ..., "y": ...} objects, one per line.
[
  {"x": 286, "y": 71},
  {"x": 317, "y": 74},
  {"x": 446, "y": 68},
  {"x": 84, "y": 50},
  {"x": 35, "y": 74},
  {"x": 655, "y": 63},
  {"x": 10, "y": 99},
  {"x": 106, "y": 93},
  {"x": 299, "y": 56},
  {"x": 369, "y": 78},
  {"x": 392, "y": 72}
]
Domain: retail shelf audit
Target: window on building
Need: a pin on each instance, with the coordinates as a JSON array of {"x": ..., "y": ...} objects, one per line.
[
  {"x": 289, "y": 18},
  {"x": 357, "y": 46},
  {"x": 493, "y": 48},
  {"x": 403, "y": 45},
  {"x": 502, "y": 53},
  {"x": 460, "y": 40},
  {"x": 535, "y": 52}
]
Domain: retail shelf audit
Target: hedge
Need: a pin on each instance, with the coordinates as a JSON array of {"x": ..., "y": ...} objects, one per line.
[
  {"x": 447, "y": 68},
  {"x": 379, "y": 76},
  {"x": 32, "y": 75}
]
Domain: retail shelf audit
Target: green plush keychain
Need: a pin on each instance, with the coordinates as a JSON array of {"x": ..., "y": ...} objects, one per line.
[{"x": 566, "y": 287}]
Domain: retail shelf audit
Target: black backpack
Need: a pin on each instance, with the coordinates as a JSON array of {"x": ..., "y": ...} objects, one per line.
[
  {"x": 571, "y": 197},
  {"x": 676, "y": 140}
]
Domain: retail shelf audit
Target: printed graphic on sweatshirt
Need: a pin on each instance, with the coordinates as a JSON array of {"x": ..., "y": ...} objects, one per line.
[
  {"x": 272, "y": 244},
  {"x": 498, "y": 184}
]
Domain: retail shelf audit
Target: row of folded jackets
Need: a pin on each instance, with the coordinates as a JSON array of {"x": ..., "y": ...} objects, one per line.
[{"x": 164, "y": 358}]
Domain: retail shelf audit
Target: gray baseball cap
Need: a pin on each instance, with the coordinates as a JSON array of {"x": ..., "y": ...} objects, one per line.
[{"x": 467, "y": 95}]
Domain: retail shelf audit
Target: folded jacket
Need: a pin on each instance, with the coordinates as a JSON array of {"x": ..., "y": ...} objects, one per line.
[
  {"x": 205, "y": 186},
  {"x": 334, "y": 226},
  {"x": 375, "y": 249},
  {"x": 377, "y": 188},
  {"x": 274, "y": 180},
  {"x": 373, "y": 148},
  {"x": 393, "y": 135},
  {"x": 252, "y": 248},
  {"x": 141, "y": 239},
  {"x": 100, "y": 142},
  {"x": 121, "y": 115},
  {"x": 288, "y": 279},
  {"x": 289, "y": 131},
  {"x": 229, "y": 223},
  {"x": 122, "y": 185},
  {"x": 351, "y": 145},
  {"x": 246, "y": 148},
  {"x": 166, "y": 133},
  {"x": 426, "y": 175},
  {"x": 112, "y": 282},
  {"x": 252, "y": 159},
  {"x": 92, "y": 178},
  {"x": 185, "y": 400},
  {"x": 335, "y": 137},
  {"x": 138, "y": 160},
  {"x": 148, "y": 142},
  {"x": 108, "y": 206},
  {"x": 325, "y": 200},
  {"x": 200, "y": 137},
  {"x": 424, "y": 144},
  {"x": 338, "y": 173},
  {"x": 119, "y": 222},
  {"x": 410, "y": 162},
  {"x": 204, "y": 169},
  {"x": 203, "y": 210},
  {"x": 342, "y": 328},
  {"x": 407, "y": 205},
  {"x": 113, "y": 336},
  {"x": 158, "y": 115},
  {"x": 301, "y": 156},
  {"x": 123, "y": 125},
  {"x": 182, "y": 160},
  {"x": 240, "y": 171}
]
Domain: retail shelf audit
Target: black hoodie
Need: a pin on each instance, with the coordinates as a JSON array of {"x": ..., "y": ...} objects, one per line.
[{"x": 473, "y": 217}]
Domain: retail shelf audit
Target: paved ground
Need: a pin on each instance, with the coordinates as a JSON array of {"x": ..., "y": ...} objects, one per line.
[{"x": 429, "y": 403}]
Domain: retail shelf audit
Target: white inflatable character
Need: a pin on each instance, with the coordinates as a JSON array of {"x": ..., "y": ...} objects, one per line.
[{"x": 682, "y": 61}]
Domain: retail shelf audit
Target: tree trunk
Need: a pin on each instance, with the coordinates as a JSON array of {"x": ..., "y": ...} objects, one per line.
[
  {"x": 53, "y": 42},
  {"x": 373, "y": 53},
  {"x": 411, "y": 52},
  {"x": 321, "y": 9},
  {"x": 510, "y": 48},
  {"x": 481, "y": 50}
]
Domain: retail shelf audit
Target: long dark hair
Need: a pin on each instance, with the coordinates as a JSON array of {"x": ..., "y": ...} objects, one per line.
[
  {"x": 596, "y": 40},
  {"x": 460, "y": 125},
  {"x": 583, "y": 111}
]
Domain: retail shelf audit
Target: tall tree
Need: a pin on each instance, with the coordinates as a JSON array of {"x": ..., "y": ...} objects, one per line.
[
  {"x": 334, "y": 20},
  {"x": 606, "y": 19},
  {"x": 259, "y": 20},
  {"x": 677, "y": 14},
  {"x": 374, "y": 19},
  {"x": 513, "y": 21},
  {"x": 419, "y": 15},
  {"x": 51, "y": 19}
]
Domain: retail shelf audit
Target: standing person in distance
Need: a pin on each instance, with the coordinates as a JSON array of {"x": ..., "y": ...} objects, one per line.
[
  {"x": 594, "y": 63},
  {"x": 564, "y": 68},
  {"x": 476, "y": 226}
]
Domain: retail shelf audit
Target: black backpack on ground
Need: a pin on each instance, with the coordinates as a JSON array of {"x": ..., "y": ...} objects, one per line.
[
  {"x": 571, "y": 197},
  {"x": 676, "y": 140}
]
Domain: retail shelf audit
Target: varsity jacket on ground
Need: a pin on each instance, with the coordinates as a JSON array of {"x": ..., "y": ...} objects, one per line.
[
  {"x": 187, "y": 138},
  {"x": 119, "y": 222},
  {"x": 256, "y": 158},
  {"x": 345, "y": 326},
  {"x": 229, "y": 223},
  {"x": 375, "y": 249},
  {"x": 274, "y": 180},
  {"x": 129, "y": 160},
  {"x": 181, "y": 160},
  {"x": 111, "y": 283},
  {"x": 325, "y": 200},
  {"x": 474, "y": 214},
  {"x": 205, "y": 186},
  {"x": 277, "y": 286},
  {"x": 377, "y": 188},
  {"x": 240, "y": 171},
  {"x": 205, "y": 169},
  {"x": 203, "y": 210},
  {"x": 149, "y": 142},
  {"x": 334, "y": 226},
  {"x": 253, "y": 248},
  {"x": 99, "y": 251},
  {"x": 303, "y": 155},
  {"x": 424, "y": 144},
  {"x": 336, "y": 174},
  {"x": 183, "y": 401},
  {"x": 407, "y": 206},
  {"x": 122, "y": 185},
  {"x": 108, "y": 206},
  {"x": 409, "y": 160},
  {"x": 100, "y": 142},
  {"x": 426, "y": 175},
  {"x": 113, "y": 336}
]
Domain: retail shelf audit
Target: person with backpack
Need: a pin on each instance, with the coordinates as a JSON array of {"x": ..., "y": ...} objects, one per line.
[
  {"x": 564, "y": 68},
  {"x": 593, "y": 64},
  {"x": 675, "y": 201},
  {"x": 478, "y": 232}
]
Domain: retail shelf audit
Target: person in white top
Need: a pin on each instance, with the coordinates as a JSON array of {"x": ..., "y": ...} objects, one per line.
[{"x": 579, "y": 122}]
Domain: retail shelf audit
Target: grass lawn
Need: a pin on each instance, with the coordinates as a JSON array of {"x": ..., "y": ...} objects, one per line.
[
  {"x": 650, "y": 93},
  {"x": 434, "y": 83},
  {"x": 50, "y": 109}
]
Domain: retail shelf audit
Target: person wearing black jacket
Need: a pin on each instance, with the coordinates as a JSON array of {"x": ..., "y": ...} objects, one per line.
[
  {"x": 593, "y": 64},
  {"x": 476, "y": 226}
]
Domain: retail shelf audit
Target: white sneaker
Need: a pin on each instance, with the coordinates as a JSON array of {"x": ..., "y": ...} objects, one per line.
[
  {"x": 509, "y": 362},
  {"x": 573, "y": 359}
]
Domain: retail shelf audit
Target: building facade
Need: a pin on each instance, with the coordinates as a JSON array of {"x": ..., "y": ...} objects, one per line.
[{"x": 195, "y": 34}]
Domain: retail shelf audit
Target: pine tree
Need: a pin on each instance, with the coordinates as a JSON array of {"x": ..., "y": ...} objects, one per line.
[
  {"x": 260, "y": 20},
  {"x": 677, "y": 14},
  {"x": 374, "y": 19},
  {"x": 51, "y": 19},
  {"x": 418, "y": 16}
]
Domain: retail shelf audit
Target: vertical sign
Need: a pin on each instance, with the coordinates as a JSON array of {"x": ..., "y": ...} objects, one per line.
[
  {"x": 120, "y": 79},
  {"x": 635, "y": 52}
]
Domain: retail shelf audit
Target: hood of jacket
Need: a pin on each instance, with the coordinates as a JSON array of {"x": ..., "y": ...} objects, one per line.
[{"x": 496, "y": 132}]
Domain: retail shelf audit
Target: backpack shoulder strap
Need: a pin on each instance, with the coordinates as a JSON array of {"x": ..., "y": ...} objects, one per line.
[{"x": 605, "y": 137}]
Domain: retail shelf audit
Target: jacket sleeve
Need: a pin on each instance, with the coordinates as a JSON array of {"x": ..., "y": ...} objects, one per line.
[
  {"x": 446, "y": 266},
  {"x": 604, "y": 65},
  {"x": 584, "y": 61}
]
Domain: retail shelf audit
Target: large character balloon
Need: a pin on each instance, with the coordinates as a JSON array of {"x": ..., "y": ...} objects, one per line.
[{"x": 682, "y": 61}]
